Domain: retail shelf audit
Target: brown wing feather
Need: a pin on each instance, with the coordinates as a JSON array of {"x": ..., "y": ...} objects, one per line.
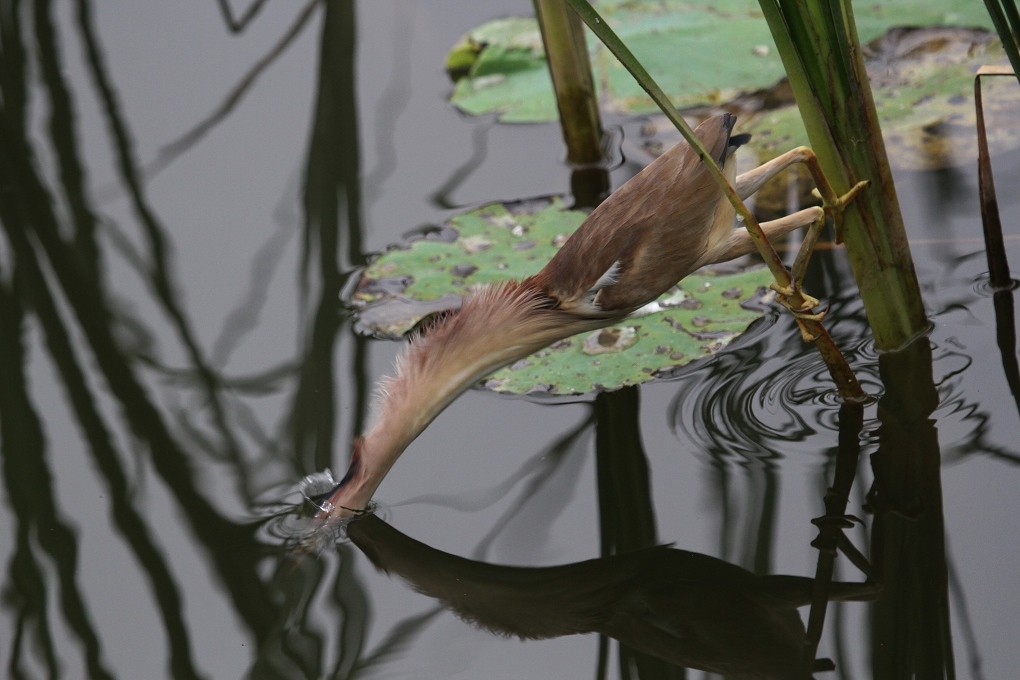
[{"x": 656, "y": 226}]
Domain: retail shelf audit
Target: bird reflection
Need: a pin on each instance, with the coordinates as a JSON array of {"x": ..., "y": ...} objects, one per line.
[{"x": 690, "y": 609}]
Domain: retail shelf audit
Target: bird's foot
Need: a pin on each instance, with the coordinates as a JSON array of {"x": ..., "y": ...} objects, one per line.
[
  {"x": 835, "y": 205},
  {"x": 802, "y": 307}
]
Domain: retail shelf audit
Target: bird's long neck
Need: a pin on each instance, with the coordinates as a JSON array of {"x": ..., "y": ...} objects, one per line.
[{"x": 495, "y": 327}]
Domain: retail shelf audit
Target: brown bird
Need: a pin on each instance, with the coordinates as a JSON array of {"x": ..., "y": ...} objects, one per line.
[{"x": 666, "y": 222}]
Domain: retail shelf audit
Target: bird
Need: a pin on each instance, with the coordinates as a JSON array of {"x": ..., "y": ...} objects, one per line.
[{"x": 661, "y": 225}]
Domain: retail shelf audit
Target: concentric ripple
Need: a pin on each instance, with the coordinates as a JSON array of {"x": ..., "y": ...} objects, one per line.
[
  {"x": 769, "y": 395},
  {"x": 289, "y": 517}
]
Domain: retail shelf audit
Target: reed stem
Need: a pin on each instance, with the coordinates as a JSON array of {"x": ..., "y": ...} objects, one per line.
[
  {"x": 570, "y": 69},
  {"x": 821, "y": 52}
]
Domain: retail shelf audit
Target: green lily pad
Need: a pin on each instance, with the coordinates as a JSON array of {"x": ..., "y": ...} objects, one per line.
[
  {"x": 923, "y": 84},
  {"x": 492, "y": 243},
  {"x": 698, "y": 52},
  {"x": 700, "y": 316}
]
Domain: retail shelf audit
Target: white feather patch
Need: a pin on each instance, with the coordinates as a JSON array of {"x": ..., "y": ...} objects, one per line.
[
  {"x": 652, "y": 307},
  {"x": 611, "y": 276}
]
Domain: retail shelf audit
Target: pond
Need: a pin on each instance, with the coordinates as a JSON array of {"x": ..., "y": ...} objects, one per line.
[{"x": 186, "y": 201}]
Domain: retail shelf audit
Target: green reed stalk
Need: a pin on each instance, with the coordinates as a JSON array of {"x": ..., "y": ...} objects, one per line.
[
  {"x": 821, "y": 52},
  {"x": 1006, "y": 19},
  {"x": 570, "y": 68}
]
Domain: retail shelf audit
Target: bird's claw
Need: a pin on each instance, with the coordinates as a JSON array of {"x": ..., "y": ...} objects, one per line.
[
  {"x": 805, "y": 304},
  {"x": 835, "y": 205},
  {"x": 783, "y": 291},
  {"x": 808, "y": 324},
  {"x": 802, "y": 307}
]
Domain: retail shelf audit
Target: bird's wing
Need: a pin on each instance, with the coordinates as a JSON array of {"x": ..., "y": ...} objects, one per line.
[{"x": 648, "y": 235}]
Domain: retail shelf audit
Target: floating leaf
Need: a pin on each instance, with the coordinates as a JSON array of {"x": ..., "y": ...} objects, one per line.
[
  {"x": 699, "y": 53},
  {"x": 499, "y": 241},
  {"x": 495, "y": 242},
  {"x": 923, "y": 84},
  {"x": 715, "y": 310},
  {"x": 508, "y": 68}
]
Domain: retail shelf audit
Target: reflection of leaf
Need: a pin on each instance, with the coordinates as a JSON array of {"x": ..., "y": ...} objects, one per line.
[
  {"x": 699, "y": 52},
  {"x": 500, "y": 241}
]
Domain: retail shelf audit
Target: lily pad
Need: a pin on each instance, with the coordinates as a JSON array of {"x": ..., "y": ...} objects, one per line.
[
  {"x": 695, "y": 319},
  {"x": 700, "y": 316},
  {"x": 699, "y": 52},
  {"x": 492, "y": 243},
  {"x": 923, "y": 83}
]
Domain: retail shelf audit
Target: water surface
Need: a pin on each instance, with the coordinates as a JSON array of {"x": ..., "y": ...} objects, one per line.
[{"x": 184, "y": 205}]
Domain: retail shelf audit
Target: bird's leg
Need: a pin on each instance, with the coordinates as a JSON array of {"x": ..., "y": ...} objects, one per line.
[
  {"x": 807, "y": 248},
  {"x": 793, "y": 296},
  {"x": 788, "y": 287},
  {"x": 752, "y": 180},
  {"x": 790, "y": 296},
  {"x": 832, "y": 204},
  {"x": 741, "y": 242}
]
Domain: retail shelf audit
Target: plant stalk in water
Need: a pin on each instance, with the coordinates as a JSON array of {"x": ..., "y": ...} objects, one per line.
[
  {"x": 570, "y": 69},
  {"x": 821, "y": 53},
  {"x": 995, "y": 246},
  {"x": 1006, "y": 19}
]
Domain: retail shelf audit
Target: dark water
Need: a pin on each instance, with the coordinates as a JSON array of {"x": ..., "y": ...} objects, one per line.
[{"x": 182, "y": 206}]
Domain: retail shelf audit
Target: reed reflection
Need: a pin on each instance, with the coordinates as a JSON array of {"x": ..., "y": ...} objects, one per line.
[
  {"x": 53, "y": 270},
  {"x": 626, "y": 510},
  {"x": 42, "y": 536},
  {"x": 911, "y": 621}
]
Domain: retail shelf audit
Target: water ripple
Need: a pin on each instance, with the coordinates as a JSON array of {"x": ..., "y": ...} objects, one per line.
[
  {"x": 288, "y": 516},
  {"x": 757, "y": 399},
  {"x": 983, "y": 286}
]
